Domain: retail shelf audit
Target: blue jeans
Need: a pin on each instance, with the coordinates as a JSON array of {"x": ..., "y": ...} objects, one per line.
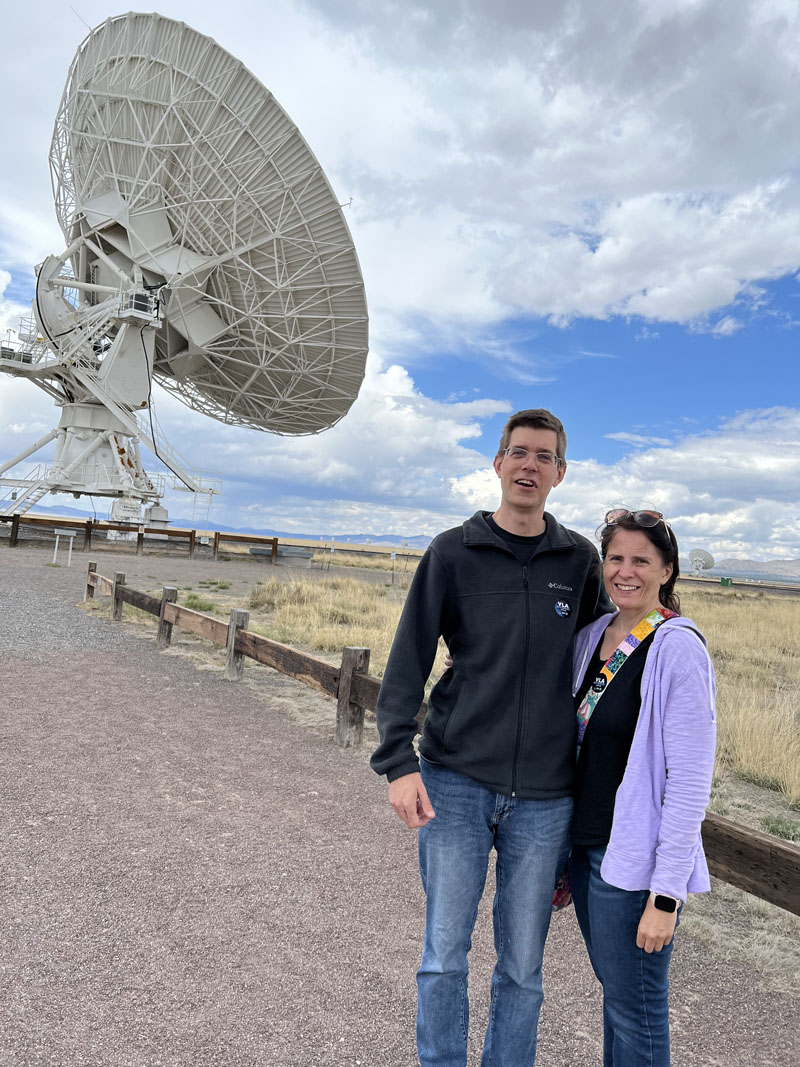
[
  {"x": 531, "y": 838},
  {"x": 635, "y": 983}
]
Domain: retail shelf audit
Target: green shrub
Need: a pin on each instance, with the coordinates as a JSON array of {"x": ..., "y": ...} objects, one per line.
[
  {"x": 780, "y": 826},
  {"x": 197, "y": 603}
]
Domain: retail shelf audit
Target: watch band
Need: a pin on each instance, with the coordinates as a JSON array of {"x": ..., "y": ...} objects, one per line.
[{"x": 662, "y": 902}]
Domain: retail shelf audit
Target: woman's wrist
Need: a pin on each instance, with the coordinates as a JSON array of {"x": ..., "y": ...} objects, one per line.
[{"x": 665, "y": 902}]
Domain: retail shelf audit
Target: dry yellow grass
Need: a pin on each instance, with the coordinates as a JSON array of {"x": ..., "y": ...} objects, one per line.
[
  {"x": 327, "y": 614},
  {"x": 752, "y": 639},
  {"x": 403, "y": 565},
  {"x": 754, "y": 645}
]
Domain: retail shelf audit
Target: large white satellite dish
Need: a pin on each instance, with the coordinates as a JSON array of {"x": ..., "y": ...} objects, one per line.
[
  {"x": 204, "y": 248},
  {"x": 700, "y": 561}
]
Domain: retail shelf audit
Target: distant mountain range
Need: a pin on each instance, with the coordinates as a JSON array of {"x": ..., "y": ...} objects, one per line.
[
  {"x": 785, "y": 570},
  {"x": 393, "y": 540},
  {"x": 773, "y": 570}
]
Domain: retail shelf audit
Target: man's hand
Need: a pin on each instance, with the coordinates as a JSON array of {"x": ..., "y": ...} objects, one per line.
[
  {"x": 409, "y": 798},
  {"x": 655, "y": 928}
]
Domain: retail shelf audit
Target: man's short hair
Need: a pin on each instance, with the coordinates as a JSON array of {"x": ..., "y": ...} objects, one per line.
[{"x": 536, "y": 419}]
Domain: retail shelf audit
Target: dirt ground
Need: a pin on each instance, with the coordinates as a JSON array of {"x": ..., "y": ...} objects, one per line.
[{"x": 193, "y": 874}]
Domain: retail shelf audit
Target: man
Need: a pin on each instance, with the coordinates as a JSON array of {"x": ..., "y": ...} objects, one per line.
[{"x": 506, "y": 591}]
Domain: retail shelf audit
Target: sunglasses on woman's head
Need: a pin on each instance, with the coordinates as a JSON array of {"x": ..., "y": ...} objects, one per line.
[{"x": 641, "y": 518}]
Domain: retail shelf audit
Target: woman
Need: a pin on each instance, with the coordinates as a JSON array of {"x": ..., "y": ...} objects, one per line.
[{"x": 644, "y": 695}]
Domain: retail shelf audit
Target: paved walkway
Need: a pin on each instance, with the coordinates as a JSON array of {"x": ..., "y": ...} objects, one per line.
[{"x": 189, "y": 877}]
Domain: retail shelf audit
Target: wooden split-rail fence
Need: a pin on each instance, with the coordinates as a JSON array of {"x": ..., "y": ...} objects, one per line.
[
  {"x": 760, "y": 864},
  {"x": 89, "y": 527}
]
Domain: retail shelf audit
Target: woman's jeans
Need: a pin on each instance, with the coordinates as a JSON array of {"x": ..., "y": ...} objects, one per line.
[
  {"x": 531, "y": 838},
  {"x": 635, "y": 983}
]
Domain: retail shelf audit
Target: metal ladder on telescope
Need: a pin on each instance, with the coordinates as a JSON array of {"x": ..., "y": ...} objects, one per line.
[{"x": 30, "y": 498}]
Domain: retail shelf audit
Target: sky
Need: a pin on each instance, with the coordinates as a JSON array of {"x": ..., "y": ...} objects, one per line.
[{"x": 590, "y": 206}]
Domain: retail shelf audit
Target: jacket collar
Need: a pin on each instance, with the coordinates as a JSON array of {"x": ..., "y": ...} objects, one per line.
[{"x": 477, "y": 532}]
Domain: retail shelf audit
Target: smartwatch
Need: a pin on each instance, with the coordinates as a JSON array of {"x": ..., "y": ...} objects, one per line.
[{"x": 664, "y": 903}]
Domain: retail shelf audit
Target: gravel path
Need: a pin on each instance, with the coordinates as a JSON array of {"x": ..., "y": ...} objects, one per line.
[{"x": 189, "y": 877}]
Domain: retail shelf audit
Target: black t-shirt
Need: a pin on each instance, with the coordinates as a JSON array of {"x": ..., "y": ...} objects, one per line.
[
  {"x": 605, "y": 746},
  {"x": 522, "y": 547}
]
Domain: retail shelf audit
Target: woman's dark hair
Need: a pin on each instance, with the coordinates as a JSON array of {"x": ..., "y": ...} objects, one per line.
[{"x": 663, "y": 539}]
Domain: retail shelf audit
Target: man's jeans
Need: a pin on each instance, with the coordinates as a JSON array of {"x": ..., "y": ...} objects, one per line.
[
  {"x": 635, "y": 982},
  {"x": 532, "y": 841}
]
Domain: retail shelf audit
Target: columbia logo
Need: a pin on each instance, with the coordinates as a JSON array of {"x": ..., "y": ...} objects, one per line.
[{"x": 558, "y": 585}]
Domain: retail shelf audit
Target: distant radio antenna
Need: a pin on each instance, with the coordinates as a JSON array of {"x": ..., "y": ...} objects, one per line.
[{"x": 700, "y": 561}]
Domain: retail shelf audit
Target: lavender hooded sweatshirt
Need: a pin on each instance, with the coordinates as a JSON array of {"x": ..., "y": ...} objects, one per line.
[{"x": 655, "y": 838}]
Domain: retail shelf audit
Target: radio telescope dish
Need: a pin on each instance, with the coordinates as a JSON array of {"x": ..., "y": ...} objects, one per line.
[
  {"x": 700, "y": 561},
  {"x": 205, "y": 249}
]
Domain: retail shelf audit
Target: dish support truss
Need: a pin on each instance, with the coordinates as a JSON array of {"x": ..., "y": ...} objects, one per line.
[{"x": 95, "y": 360}]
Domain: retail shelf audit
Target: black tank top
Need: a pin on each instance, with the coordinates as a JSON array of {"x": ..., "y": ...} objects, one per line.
[{"x": 605, "y": 747}]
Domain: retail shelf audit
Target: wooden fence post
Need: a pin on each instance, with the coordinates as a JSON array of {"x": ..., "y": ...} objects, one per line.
[
  {"x": 14, "y": 535},
  {"x": 192, "y": 539},
  {"x": 274, "y": 556},
  {"x": 216, "y": 544},
  {"x": 350, "y": 716},
  {"x": 89, "y": 587},
  {"x": 87, "y": 537},
  {"x": 169, "y": 595},
  {"x": 234, "y": 662},
  {"x": 116, "y": 597},
  {"x": 140, "y": 541}
]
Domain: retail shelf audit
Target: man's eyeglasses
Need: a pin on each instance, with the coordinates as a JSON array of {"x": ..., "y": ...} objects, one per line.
[
  {"x": 641, "y": 518},
  {"x": 543, "y": 459}
]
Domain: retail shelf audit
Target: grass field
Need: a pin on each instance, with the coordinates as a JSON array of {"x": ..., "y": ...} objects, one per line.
[
  {"x": 327, "y": 614},
  {"x": 752, "y": 639},
  {"x": 754, "y": 645}
]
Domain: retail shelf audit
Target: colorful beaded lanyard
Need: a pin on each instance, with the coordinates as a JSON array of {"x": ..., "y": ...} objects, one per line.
[{"x": 627, "y": 645}]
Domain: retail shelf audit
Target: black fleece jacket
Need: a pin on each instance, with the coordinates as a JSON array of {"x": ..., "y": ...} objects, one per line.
[{"x": 503, "y": 713}]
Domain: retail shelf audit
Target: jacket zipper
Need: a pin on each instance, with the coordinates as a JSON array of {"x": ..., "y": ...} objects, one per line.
[{"x": 524, "y": 686}]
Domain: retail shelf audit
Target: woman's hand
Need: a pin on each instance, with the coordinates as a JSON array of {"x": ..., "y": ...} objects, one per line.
[{"x": 655, "y": 928}]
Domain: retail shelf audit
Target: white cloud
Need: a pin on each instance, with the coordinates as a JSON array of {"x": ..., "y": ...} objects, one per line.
[
  {"x": 409, "y": 469},
  {"x": 637, "y": 440},
  {"x": 734, "y": 490},
  {"x": 11, "y": 311},
  {"x": 612, "y": 157},
  {"x": 605, "y": 158},
  {"x": 395, "y": 452},
  {"x": 404, "y": 463},
  {"x": 598, "y": 158},
  {"x": 726, "y": 326},
  {"x": 666, "y": 258},
  {"x": 26, "y": 414}
]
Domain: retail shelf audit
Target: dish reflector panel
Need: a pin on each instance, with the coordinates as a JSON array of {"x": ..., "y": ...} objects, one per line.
[{"x": 178, "y": 164}]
